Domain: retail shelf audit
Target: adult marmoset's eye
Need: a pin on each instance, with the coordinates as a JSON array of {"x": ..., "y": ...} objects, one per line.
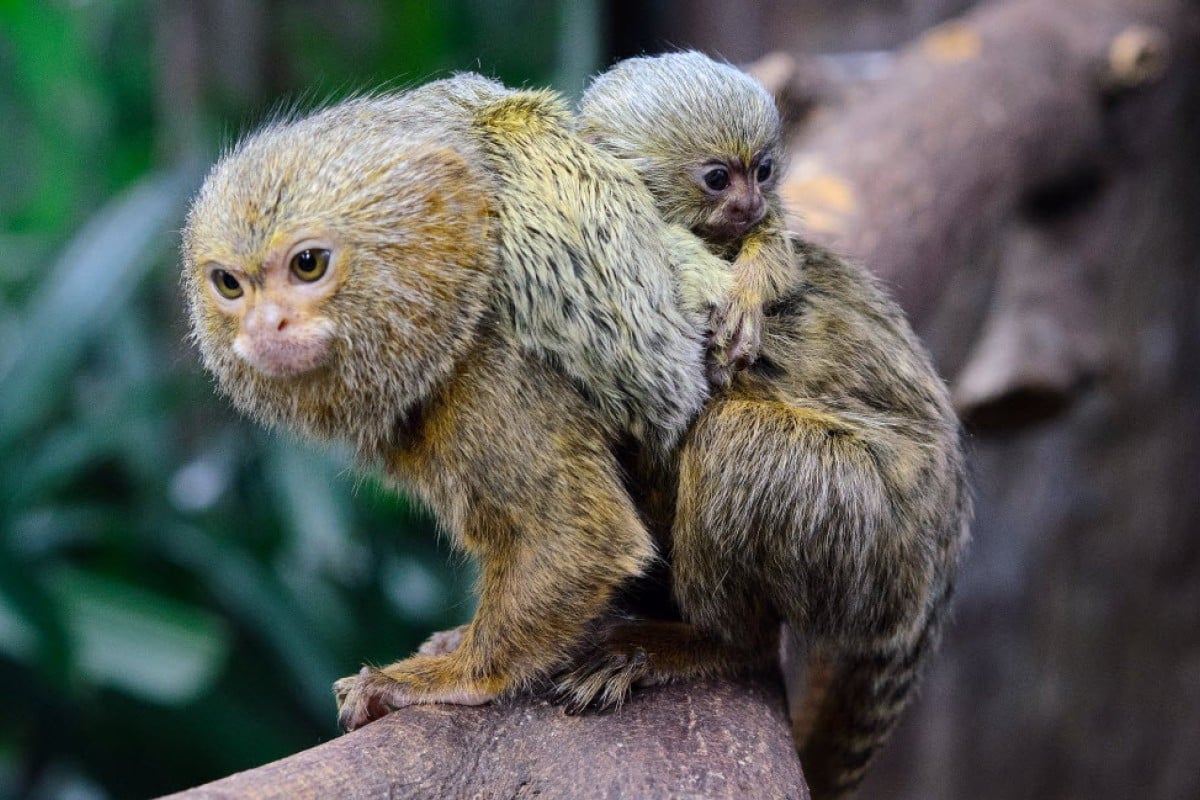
[
  {"x": 717, "y": 179},
  {"x": 227, "y": 285},
  {"x": 765, "y": 168},
  {"x": 309, "y": 265}
]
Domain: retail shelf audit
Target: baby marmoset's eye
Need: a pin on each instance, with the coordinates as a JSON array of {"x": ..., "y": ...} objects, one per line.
[
  {"x": 765, "y": 168},
  {"x": 227, "y": 285},
  {"x": 309, "y": 265},
  {"x": 717, "y": 179}
]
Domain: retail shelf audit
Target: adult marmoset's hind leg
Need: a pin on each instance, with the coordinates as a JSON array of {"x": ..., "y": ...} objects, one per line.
[
  {"x": 632, "y": 653},
  {"x": 760, "y": 483}
]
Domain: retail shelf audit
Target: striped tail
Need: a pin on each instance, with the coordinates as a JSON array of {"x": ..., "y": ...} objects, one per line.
[{"x": 855, "y": 701}]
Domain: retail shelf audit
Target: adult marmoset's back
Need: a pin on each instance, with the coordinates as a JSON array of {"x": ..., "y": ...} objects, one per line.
[
  {"x": 584, "y": 273},
  {"x": 590, "y": 277}
]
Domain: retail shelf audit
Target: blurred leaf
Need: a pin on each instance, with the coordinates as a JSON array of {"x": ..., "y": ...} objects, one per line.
[
  {"x": 260, "y": 602},
  {"x": 311, "y": 486},
  {"x": 143, "y": 643},
  {"x": 8, "y": 771},
  {"x": 579, "y": 45},
  {"x": 47, "y": 61},
  {"x": 200, "y": 483},
  {"x": 63, "y": 781},
  {"x": 413, "y": 589},
  {"x": 61, "y": 456},
  {"x": 18, "y": 638},
  {"x": 40, "y": 532},
  {"x": 87, "y": 287},
  {"x": 32, "y": 608}
]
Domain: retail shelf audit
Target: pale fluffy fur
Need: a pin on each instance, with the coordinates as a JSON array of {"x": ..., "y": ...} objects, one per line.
[{"x": 668, "y": 116}]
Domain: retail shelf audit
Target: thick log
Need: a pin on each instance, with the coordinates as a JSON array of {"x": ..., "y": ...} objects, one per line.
[{"x": 711, "y": 740}]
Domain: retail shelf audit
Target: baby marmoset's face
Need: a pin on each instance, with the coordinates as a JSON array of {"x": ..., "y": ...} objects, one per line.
[
  {"x": 734, "y": 193},
  {"x": 703, "y": 136}
]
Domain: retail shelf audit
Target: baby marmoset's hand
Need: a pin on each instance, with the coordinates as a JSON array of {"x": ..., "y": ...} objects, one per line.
[{"x": 736, "y": 336}]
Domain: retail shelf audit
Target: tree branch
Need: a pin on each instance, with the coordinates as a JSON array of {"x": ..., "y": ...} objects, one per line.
[{"x": 711, "y": 740}]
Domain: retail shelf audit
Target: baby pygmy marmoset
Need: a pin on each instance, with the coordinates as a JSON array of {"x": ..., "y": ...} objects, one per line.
[
  {"x": 824, "y": 488},
  {"x": 705, "y": 139}
]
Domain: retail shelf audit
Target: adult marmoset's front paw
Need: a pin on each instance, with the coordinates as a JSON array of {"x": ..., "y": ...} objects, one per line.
[
  {"x": 375, "y": 693},
  {"x": 366, "y": 697}
]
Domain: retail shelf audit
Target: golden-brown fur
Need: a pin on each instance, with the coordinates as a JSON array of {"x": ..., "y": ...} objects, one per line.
[
  {"x": 447, "y": 216},
  {"x": 589, "y": 278}
]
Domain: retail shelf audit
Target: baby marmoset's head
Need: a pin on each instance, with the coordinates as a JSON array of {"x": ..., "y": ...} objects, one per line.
[{"x": 703, "y": 135}]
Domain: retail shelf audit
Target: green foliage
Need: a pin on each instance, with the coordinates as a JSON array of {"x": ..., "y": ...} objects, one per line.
[{"x": 178, "y": 588}]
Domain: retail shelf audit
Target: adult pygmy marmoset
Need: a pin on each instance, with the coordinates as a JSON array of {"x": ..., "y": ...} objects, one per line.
[{"x": 372, "y": 273}]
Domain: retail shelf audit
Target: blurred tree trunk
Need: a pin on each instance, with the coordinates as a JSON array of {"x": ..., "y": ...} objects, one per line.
[{"x": 1025, "y": 180}]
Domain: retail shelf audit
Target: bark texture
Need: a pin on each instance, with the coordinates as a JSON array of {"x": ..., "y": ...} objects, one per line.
[{"x": 710, "y": 740}]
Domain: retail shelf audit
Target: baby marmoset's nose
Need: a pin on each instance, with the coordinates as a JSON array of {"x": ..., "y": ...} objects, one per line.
[{"x": 747, "y": 208}]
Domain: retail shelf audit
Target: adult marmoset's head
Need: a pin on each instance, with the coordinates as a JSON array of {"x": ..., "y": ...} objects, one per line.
[{"x": 334, "y": 267}]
